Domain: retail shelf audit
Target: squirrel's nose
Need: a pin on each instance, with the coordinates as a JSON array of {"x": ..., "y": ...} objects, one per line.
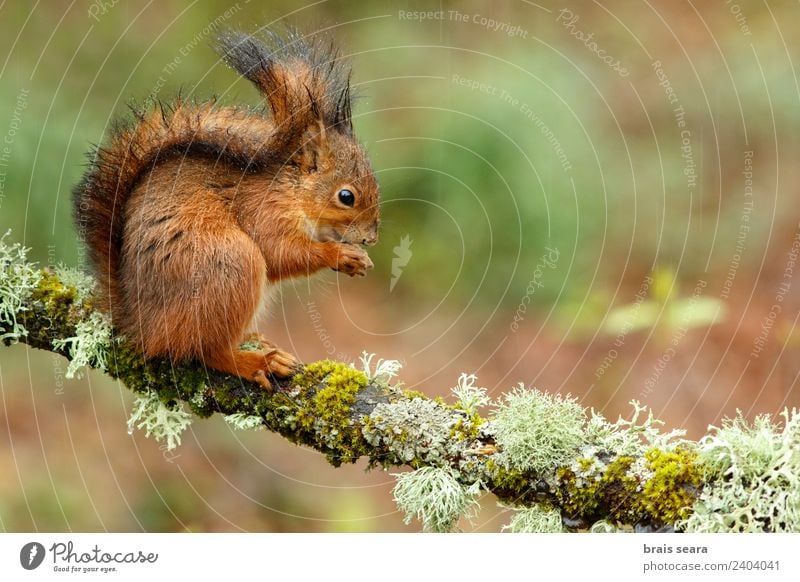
[{"x": 373, "y": 236}]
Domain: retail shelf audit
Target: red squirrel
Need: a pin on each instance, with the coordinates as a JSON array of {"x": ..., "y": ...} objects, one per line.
[{"x": 192, "y": 211}]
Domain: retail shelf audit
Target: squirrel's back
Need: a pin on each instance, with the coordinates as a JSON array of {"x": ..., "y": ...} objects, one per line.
[{"x": 152, "y": 137}]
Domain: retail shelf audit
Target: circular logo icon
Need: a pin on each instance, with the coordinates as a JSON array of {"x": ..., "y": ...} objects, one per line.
[{"x": 31, "y": 555}]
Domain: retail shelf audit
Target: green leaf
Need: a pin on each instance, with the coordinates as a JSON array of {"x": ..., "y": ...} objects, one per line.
[
  {"x": 632, "y": 317},
  {"x": 695, "y": 312}
]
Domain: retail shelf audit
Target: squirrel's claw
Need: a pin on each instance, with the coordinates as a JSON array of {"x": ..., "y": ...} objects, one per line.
[{"x": 261, "y": 379}]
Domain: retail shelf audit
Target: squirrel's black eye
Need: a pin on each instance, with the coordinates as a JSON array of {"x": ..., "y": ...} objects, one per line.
[{"x": 346, "y": 197}]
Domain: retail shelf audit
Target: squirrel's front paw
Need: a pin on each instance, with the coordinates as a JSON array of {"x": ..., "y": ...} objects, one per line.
[{"x": 352, "y": 260}]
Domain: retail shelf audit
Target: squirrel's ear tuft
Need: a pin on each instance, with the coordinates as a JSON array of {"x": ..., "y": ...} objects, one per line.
[{"x": 242, "y": 53}]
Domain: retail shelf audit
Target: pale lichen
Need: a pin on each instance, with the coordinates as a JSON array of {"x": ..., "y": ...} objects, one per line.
[
  {"x": 162, "y": 422},
  {"x": 418, "y": 429},
  {"x": 18, "y": 278},
  {"x": 199, "y": 400},
  {"x": 603, "y": 526},
  {"x": 631, "y": 436},
  {"x": 89, "y": 346},
  {"x": 384, "y": 371},
  {"x": 752, "y": 477},
  {"x": 470, "y": 397},
  {"x": 435, "y": 496},
  {"x": 83, "y": 284},
  {"x": 242, "y": 421},
  {"x": 536, "y": 431},
  {"x": 535, "y": 519}
]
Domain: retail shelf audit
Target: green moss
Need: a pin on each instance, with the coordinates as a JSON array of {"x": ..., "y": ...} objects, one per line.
[
  {"x": 590, "y": 490},
  {"x": 315, "y": 373},
  {"x": 53, "y": 302},
  {"x": 467, "y": 428},
  {"x": 171, "y": 383},
  {"x": 669, "y": 494},
  {"x": 411, "y": 394},
  {"x": 319, "y": 417},
  {"x": 620, "y": 492},
  {"x": 328, "y": 413},
  {"x": 510, "y": 485}
]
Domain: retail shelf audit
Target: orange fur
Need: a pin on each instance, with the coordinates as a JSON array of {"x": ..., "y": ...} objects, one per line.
[{"x": 191, "y": 211}]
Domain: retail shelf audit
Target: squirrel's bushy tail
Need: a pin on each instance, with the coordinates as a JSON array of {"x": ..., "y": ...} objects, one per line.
[
  {"x": 159, "y": 133},
  {"x": 304, "y": 80},
  {"x": 307, "y": 88}
]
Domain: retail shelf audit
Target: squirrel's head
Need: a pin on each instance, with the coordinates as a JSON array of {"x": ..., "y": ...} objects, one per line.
[
  {"x": 307, "y": 87},
  {"x": 339, "y": 193}
]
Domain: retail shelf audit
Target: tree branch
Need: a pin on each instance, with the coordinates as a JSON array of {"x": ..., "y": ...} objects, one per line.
[{"x": 558, "y": 465}]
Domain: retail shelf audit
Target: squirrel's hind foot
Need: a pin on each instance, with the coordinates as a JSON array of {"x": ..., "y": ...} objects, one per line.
[
  {"x": 274, "y": 362},
  {"x": 280, "y": 363},
  {"x": 258, "y": 366}
]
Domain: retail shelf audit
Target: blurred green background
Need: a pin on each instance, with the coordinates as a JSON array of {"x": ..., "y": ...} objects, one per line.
[{"x": 595, "y": 198}]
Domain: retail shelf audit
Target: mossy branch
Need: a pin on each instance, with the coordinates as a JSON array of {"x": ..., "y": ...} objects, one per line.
[{"x": 557, "y": 465}]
